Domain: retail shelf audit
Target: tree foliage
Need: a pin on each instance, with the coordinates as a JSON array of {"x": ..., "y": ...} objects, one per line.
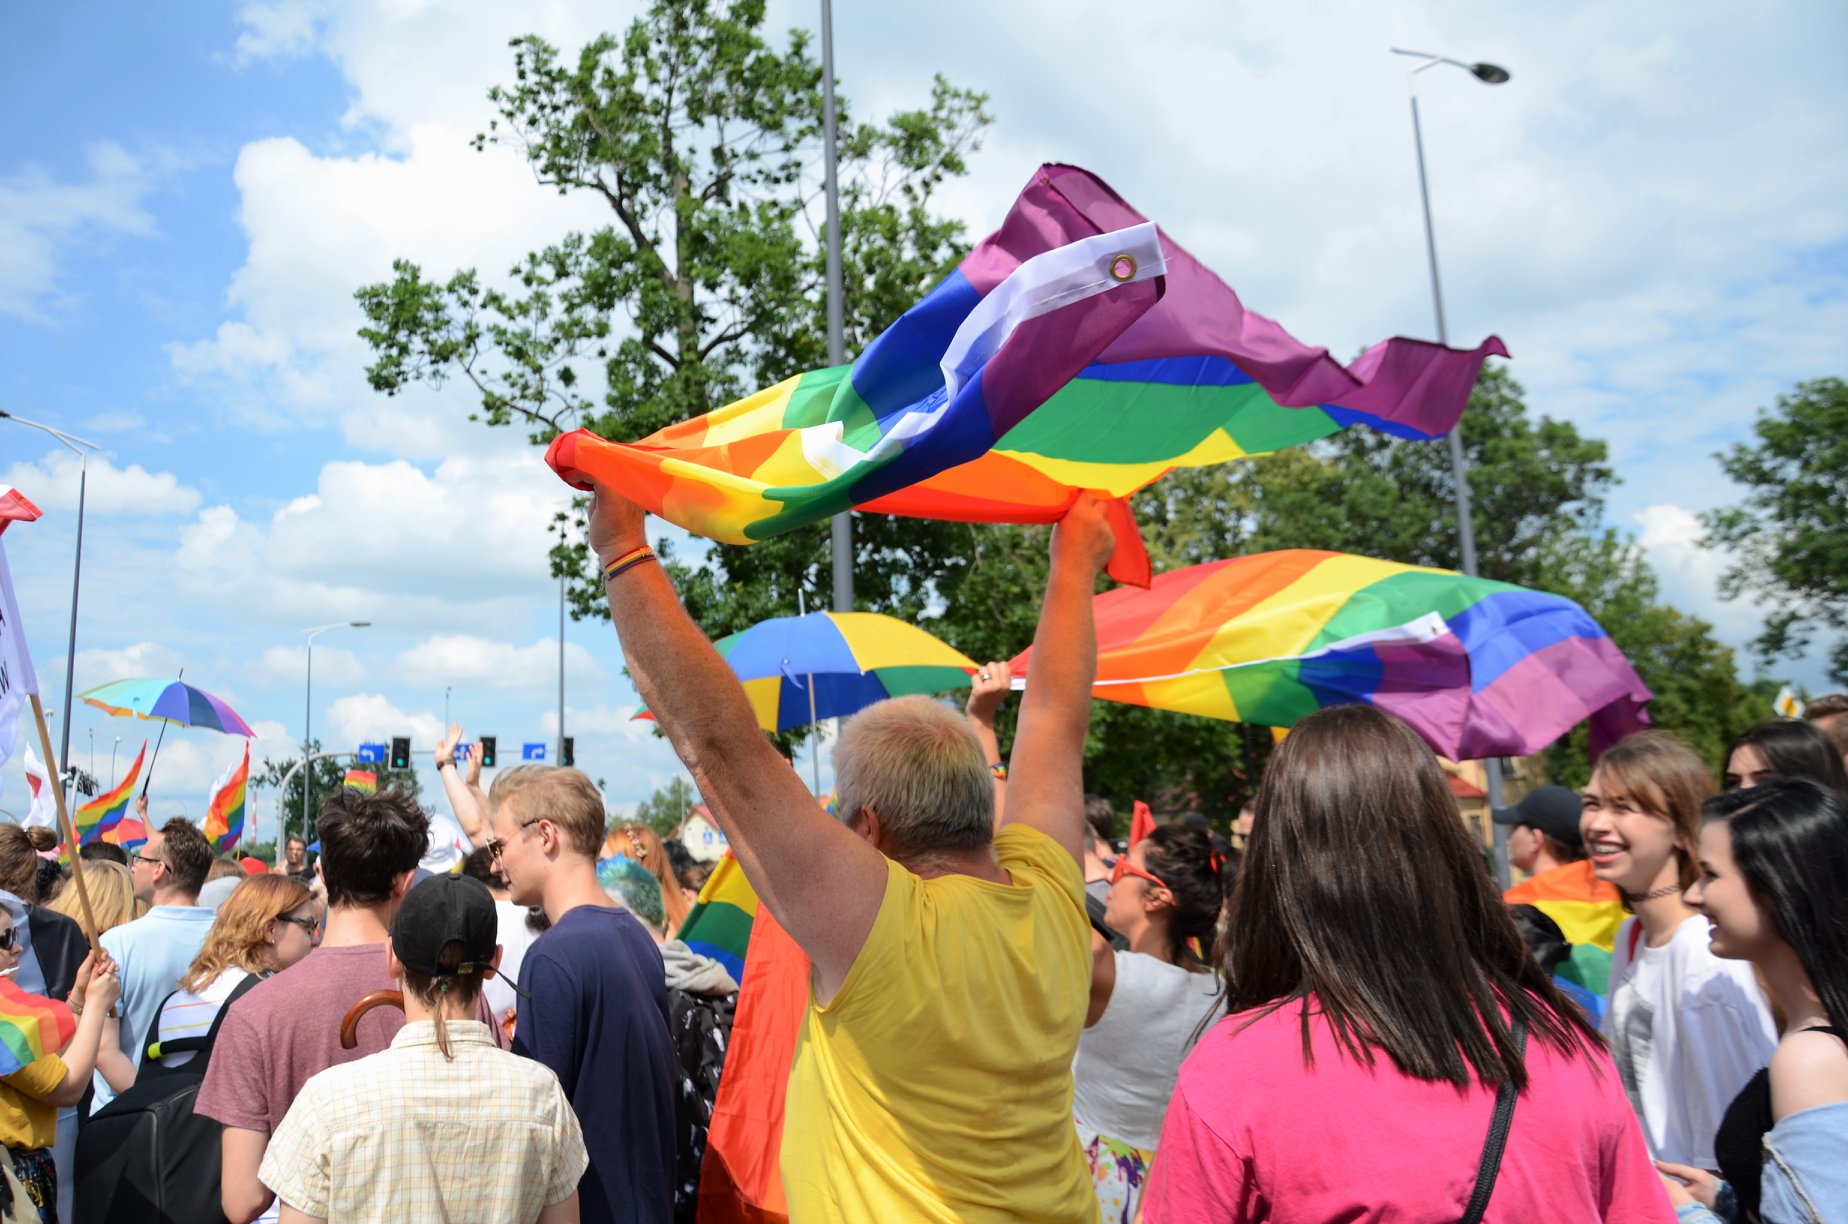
[
  {"x": 329, "y": 777},
  {"x": 1791, "y": 532},
  {"x": 666, "y": 809}
]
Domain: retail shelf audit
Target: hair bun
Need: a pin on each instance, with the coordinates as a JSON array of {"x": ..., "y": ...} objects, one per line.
[{"x": 42, "y": 838}]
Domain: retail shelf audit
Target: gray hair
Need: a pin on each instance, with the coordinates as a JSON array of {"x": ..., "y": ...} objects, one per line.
[{"x": 918, "y": 766}]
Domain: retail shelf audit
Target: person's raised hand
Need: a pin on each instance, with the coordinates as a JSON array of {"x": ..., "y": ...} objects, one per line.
[
  {"x": 988, "y": 688},
  {"x": 105, "y": 988},
  {"x": 141, "y": 809},
  {"x": 446, "y": 744},
  {"x": 472, "y": 773},
  {"x": 1084, "y": 538},
  {"x": 1687, "y": 1184},
  {"x": 617, "y": 525}
]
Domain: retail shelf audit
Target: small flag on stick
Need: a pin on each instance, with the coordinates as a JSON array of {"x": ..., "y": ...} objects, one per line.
[
  {"x": 362, "y": 780},
  {"x": 1788, "y": 704}
]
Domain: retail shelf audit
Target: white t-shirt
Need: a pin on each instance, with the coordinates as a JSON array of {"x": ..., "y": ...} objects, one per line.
[
  {"x": 1687, "y": 1030},
  {"x": 514, "y": 936},
  {"x": 1127, "y": 1062},
  {"x": 190, "y": 1014}
]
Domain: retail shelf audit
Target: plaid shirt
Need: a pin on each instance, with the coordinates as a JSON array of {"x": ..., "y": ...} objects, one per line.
[{"x": 406, "y": 1134}]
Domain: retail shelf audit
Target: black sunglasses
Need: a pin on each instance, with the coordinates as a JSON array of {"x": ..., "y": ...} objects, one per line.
[{"x": 9, "y": 939}]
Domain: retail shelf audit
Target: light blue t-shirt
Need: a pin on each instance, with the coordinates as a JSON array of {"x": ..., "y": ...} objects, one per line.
[{"x": 154, "y": 952}]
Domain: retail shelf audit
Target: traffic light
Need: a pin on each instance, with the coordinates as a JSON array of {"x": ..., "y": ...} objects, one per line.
[
  {"x": 487, "y": 752},
  {"x": 570, "y": 755},
  {"x": 401, "y": 752}
]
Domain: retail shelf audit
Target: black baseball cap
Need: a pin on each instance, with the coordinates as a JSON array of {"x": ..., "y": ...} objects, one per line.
[
  {"x": 442, "y": 909},
  {"x": 1554, "y": 810}
]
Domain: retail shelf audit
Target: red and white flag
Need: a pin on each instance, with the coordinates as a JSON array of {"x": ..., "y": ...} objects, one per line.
[
  {"x": 14, "y": 507},
  {"x": 44, "y": 810}
]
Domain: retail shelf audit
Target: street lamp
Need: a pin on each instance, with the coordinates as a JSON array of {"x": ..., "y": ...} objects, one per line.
[
  {"x": 307, "y": 724},
  {"x": 1488, "y": 74},
  {"x": 82, "y": 450}
]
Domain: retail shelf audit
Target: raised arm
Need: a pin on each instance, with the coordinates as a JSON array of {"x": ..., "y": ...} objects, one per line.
[
  {"x": 823, "y": 883},
  {"x": 988, "y": 688},
  {"x": 1046, "y": 775},
  {"x": 464, "y": 795}
]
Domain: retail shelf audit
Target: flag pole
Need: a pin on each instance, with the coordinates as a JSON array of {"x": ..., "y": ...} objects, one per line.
[{"x": 64, "y": 821}]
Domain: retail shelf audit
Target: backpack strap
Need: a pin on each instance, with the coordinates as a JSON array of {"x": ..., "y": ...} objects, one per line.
[
  {"x": 1497, "y": 1142},
  {"x": 201, "y": 1045}
]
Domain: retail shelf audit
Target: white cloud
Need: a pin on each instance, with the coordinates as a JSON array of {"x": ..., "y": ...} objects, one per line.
[
  {"x": 333, "y": 666},
  {"x": 53, "y": 482},
  {"x": 41, "y": 219},
  {"x": 142, "y": 659},
  {"x": 372, "y": 718},
  {"x": 462, "y": 545},
  {"x": 467, "y": 661}
]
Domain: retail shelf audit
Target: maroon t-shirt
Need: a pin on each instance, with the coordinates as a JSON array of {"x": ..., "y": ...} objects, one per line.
[{"x": 287, "y": 1028}]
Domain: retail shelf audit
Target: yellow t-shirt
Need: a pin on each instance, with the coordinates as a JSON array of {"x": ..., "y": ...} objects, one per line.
[
  {"x": 937, "y": 1085},
  {"x": 26, "y": 1121}
]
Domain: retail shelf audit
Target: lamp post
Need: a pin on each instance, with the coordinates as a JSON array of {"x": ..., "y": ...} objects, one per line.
[
  {"x": 1488, "y": 74},
  {"x": 842, "y": 524},
  {"x": 307, "y": 725},
  {"x": 82, "y": 450}
]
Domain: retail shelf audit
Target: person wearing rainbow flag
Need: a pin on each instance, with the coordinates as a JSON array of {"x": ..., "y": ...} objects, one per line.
[{"x": 932, "y": 1079}]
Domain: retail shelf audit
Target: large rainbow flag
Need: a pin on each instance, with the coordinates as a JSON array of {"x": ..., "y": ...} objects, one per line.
[
  {"x": 1076, "y": 348},
  {"x": 224, "y": 811},
  {"x": 31, "y": 1026},
  {"x": 1478, "y": 668},
  {"x": 719, "y": 924},
  {"x": 104, "y": 812}
]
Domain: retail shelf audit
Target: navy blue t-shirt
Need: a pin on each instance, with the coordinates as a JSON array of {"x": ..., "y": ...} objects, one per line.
[{"x": 598, "y": 1018}]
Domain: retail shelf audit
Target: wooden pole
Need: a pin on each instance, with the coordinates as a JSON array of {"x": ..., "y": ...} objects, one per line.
[{"x": 64, "y": 819}]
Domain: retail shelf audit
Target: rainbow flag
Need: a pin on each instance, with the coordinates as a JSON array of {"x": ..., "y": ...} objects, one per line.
[
  {"x": 31, "y": 1026},
  {"x": 1588, "y": 910},
  {"x": 362, "y": 780},
  {"x": 719, "y": 924},
  {"x": 103, "y": 813},
  {"x": 224, "y": 811},
  {"x": 1076, "y": 348},
  {"x": 128, "y": 833},
  {"x": 1478, "y": 668}
]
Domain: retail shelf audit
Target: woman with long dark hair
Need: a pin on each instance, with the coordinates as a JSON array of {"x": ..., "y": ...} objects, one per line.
[
  {"x": 1687, "y": 1029},
  {"x": 1784, "y": 748},
  {"x": 1772, "y": 861},
  {"x": 1147, "y": 1002},
  {"x": 1383, "y": 1018}
]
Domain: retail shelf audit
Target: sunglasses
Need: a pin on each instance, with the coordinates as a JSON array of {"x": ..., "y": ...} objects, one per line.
[
  {"x": 1125, "y": 867},
  {"x": 495, "y": 845},
  {"x": 310, "y": 925},
  {"x": 9, "y": 939}
]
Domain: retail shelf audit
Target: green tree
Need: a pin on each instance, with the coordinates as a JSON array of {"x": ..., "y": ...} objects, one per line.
[
  {"x": 664, "y": 810},
  {"x": 329, "y": 777},
  {"x": 701, "y": 139},
  {"x": 1791, "y": 532}
]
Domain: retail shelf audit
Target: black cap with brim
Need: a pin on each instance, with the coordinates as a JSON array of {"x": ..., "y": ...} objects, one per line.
[
  {"x": 441, "y": 910},
  {"x": 1553, "y": 810}
]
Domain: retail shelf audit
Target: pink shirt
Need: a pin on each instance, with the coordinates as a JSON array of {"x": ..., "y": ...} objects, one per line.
[{"x": 1253, "y": 1134}]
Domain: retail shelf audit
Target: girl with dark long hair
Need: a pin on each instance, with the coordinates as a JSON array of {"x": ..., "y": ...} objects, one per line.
[
  {"x": 1687, "y": 1029},
  {"x": 1784, "y": 748},
  {"x": 1147, "y": 1002},
  {"x": 1772, "y": 862},
  {"x": 1382, "y": 1013}
]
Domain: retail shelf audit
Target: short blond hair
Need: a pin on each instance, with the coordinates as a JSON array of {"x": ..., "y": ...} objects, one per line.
[
  {"x": 919, "y": 767},
  {"x": 566, "y": 797}
]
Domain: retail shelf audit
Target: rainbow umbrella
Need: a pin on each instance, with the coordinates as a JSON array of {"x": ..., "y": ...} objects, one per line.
[
  {"x": 1478, "y": 668},
  {"x": 169, "y": 701},
  {"x": 801, "y": 669}
]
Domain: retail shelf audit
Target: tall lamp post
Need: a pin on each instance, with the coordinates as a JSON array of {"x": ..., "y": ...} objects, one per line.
[
  {"x": 307, "y": 732},
  {"x": 842, "y": 525},
  {"x": 1488, "y": 74},
  {"x": 82, "y": 450}
]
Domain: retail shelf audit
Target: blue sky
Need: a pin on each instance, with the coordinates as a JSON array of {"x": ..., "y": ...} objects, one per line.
[{"x": 1649, "y": 214}]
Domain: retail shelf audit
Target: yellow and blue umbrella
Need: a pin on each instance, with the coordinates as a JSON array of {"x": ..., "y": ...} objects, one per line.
[
  {"x": 170, "y": 701},
  {"x": 845, "y": 660}
]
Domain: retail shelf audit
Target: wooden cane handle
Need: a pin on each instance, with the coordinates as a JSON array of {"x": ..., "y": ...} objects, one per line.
[{"x": 349, "y": 1027}]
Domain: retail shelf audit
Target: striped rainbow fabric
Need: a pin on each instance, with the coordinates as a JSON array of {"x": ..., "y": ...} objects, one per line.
[
  {"x": 362, "y": 780},
  {"x": 104, "y": 812},
  {"x": 1076, "y": 348},
  {"x": 31, "y": 1026},
  {"x": 719, "y": 924},
  {"x": 1478, "y": 668},
  {"x": 224, "y": 811}
]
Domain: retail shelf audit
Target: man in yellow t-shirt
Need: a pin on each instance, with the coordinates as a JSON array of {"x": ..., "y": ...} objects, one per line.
[{"x": 950, "y": 963}]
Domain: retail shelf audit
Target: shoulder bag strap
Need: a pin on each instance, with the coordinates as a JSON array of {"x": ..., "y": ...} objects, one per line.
[{"x": 1497, "y": 1143}]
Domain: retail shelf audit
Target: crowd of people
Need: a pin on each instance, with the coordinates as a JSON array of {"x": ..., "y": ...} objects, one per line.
[{"x": 1010, "y": 1014}]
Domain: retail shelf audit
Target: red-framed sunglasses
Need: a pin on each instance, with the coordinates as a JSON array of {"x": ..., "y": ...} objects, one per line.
[{"x": 1125, "y": 867}]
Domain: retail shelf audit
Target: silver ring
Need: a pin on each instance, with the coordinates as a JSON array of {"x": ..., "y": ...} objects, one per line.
[{"x": 985, "y": 676}]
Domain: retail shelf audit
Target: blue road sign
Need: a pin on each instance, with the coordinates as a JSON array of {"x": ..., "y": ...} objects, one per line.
[
  {"x": 532, "y": 752},
  {"x": 371, "y": 754}
]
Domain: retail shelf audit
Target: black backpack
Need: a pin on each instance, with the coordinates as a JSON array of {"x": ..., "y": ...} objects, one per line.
[{"x": 146, "y": 1158}]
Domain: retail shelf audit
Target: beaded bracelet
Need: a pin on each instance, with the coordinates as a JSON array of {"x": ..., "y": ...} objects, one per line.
[{"x": 627, "y": 561}]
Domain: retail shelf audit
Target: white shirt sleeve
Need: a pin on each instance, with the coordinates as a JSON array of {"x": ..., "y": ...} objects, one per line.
[{"x": 1726, "y": 1035}]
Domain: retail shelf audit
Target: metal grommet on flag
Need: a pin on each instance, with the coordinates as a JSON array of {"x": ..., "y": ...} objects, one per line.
[{"x": 1122, "y": 266}]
